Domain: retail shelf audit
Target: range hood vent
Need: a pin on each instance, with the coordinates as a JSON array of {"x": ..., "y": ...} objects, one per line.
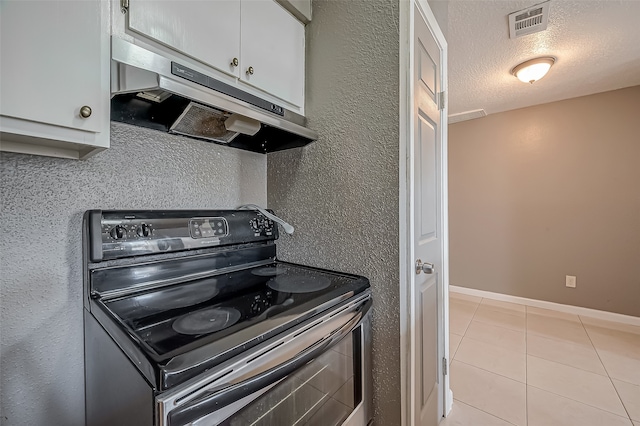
[
  {"x": 152, "y": 91},
  {"x": 529, "y": 21},
  {"x": 202, "y": 122}
]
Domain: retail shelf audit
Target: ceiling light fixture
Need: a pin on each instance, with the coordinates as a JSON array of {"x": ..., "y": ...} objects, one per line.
[{"x": 533, "y": 69}]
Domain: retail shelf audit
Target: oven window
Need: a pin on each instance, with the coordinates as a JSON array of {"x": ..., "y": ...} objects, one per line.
[{"x": 323, "y": 392}]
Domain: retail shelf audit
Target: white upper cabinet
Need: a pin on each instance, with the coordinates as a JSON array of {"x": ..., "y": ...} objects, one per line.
[
  {"x": 54, "y": 77},
  {"x": 208, "y": 31},
  {"x": 272, "y": 53},
  {"x": 235, "y": 37},
  {"x": 301, "y": 9}
]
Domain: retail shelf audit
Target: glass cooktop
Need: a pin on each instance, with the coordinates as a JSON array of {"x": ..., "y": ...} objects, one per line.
[{"x": 175, "y": 319}]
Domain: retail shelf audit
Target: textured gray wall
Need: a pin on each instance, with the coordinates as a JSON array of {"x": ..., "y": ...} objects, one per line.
[
  {"x": 539, "y": 193},
  {"x": 41, "y": 341},
  {"x": 341, "y": 192}
]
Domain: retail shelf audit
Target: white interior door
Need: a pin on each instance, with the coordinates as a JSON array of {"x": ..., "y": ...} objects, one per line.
[{"x": 428, "y": 237}]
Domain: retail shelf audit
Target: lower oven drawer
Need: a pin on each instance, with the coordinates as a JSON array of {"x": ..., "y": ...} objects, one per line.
[{"x": 319, "y": 375}]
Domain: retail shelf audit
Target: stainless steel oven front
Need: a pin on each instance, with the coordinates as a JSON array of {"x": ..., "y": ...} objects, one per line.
[{"x": 318, "y": 373}]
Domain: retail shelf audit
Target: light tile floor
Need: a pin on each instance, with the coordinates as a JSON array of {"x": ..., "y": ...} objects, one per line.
[{"x": 524, "y": 366}]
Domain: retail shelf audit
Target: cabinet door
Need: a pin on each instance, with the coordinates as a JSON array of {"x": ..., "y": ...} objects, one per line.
[
  {"x": 208, "y": 31},
  {"x": 273, "y": 47},
  {"x": 51, "y": 63}
]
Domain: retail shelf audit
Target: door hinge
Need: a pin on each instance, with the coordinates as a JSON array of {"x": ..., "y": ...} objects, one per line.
[
  {"x": 124, "y": 6},
  {"x": 445, "y": 369},
  {"x": 441, "y": 101}
]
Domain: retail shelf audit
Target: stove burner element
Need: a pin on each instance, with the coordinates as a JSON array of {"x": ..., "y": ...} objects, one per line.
[
  {"x": 298, "y": 283},
  {"x": 269, "y": 271},
  {"x": 206, "y": 321}
]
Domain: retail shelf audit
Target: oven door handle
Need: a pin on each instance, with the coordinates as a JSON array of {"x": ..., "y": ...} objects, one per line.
[{"x": 214, "y": 401}]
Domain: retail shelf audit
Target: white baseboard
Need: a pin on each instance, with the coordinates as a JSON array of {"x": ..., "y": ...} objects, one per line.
[{"x": 576, "y": 310}]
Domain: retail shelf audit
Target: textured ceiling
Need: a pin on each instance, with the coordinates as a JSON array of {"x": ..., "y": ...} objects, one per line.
[{"x": 596, "y": 43}]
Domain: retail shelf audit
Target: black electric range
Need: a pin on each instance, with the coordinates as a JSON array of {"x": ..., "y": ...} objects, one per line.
[{"x": 180, "y": 292}]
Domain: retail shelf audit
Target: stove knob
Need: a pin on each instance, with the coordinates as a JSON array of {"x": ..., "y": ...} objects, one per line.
[
  {"x": 143, "y": 230},
  {"x": 255, "y": 307},
  {"x": 118, "y": 232}
]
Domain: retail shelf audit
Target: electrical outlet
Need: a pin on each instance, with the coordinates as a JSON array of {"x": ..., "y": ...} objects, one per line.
[{"x": 571, "y": 281}]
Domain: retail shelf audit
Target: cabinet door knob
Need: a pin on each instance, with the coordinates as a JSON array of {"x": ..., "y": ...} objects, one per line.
[
  {"x": 85, "y": 111},
  {"x": 234, "y": 62},
  {"x": 250, "y": 71}
]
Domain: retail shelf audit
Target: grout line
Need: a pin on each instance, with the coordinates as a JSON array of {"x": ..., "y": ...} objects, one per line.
[
  {"x": 502, "y": 348},
  {"x": 453, "y": 356},
  {"x": 569, "y": 342},
  {"x": 500, "y": 325},
  {"x": 492, "y": 372},
  {"x": 569, "y": 365},
  {"x": 486, "y": 412},
  {"x": 496, "y": 310},
  {"x": 559, "y": 339},
  {"x": 472, "y": 316},
  {"x": 581, "y": 402},
  {"x": 605, "y": 369}
]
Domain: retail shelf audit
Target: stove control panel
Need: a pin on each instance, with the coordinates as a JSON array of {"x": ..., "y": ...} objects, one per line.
[
  {"x": 206, "y": 227},
  {"x": 116, "y": 234}
]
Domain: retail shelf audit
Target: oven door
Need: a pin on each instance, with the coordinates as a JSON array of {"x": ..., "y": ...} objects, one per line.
[{"x": 319, "y": 373}]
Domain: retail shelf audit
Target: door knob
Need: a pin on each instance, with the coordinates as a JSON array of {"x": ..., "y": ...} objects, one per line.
[
  {"x": 250, "y": 71},
  {"x": 234, "y": 62},
  {"x": 425, "y": 267},
  {"x": 85, "y": 111}
]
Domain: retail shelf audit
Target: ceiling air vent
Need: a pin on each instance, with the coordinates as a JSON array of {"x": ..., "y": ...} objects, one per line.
[{"x": 529, "y": 21}]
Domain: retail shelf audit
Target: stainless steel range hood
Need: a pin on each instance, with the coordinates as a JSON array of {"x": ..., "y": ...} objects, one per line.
[{"x": 152, "y": 91}]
